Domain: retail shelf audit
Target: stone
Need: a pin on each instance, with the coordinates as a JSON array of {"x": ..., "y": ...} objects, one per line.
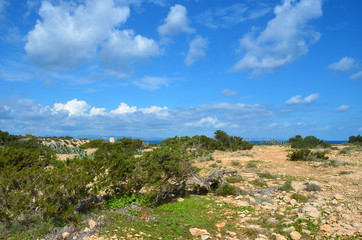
[
  {"x": 262, "y": 236},
  {"x": 198, "y": 232},
  {"x": 86, "y": 238},
  {"x": 65, "y": 234},
  {"x": 325, "y": 228},
  {"x": 86, "y": 230},
  {"x": 295, "y": 235},
  {"x": 293, "y": 202},
  {"x": 232, "y": 234},
  {"x": 272, "y": 221},
  {"x": 204, "y": 237},
  {"x": 311, "y": 211},
  {"x": 279, "y": 237},
  {"x": 307, "y": 232},
  {"x": 286, "y": 199},
  {"x": 180, "y": 199},
  {"x": 92, "y": 224},
  {"x": 220, "y": 225},
  {"x": 252, "y": 200},
  {"x": 338, "y": 197}
]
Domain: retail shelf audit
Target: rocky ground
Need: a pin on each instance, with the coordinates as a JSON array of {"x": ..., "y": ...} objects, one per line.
[{"x": 278, "y": 199}]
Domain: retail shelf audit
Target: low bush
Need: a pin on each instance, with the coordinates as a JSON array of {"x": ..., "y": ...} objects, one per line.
[
  {"x": 287, "y": 186},
  {"x": 225, "y": 190},
  {"x": 306, "y": 155},
  {"x": 312, "y": 187},
  {"x": 299, "y": 197},
  {"x": 308, "y": 142}
]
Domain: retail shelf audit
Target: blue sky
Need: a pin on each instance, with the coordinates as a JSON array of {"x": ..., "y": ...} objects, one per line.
[{"x": 156, "y": 68}]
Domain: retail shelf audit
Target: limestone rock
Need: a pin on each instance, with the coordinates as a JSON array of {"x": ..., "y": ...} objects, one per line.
[
  {"x": 338, "y": 197},
  {"x": 220, "y": 225},
  {"x": 198, "y": 232},
  {"x": 311, "y": 211},
  {"x": 325, "y": 228},
  {"x": 92, "y": 224},
  {"x": 295, "y": 235},
  {"x": 65, "y": 234}
]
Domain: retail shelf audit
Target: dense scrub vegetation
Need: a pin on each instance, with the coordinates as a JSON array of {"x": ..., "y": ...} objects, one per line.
[
  {"x": 307, "y": 142},
  {"x": 36, "y": 187},
  {"x": 355, "y": 139}
]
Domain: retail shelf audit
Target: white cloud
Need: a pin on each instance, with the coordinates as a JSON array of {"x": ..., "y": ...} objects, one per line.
[
  {"x": 298, "y": 100},
  {"x": 74, "y": 107},
  {"x": 206, "y": 122},
  {"x": 286, "y": 37},
  {"x": 124, "y": 109},
  {"x": 356, "y": 76},
  {"x": 228, "y": 92},
  {"x": 228, "y": 16},
  {"x": 69, "y": 35},
  {"x": 197, "y": 50},
  {"x": 176, "y": 22},
  {"x": 342, "y": 108},
  {"x": 3, "y": 4},
  {"x": 343, "y": 65},
  {"x": 152, "y": 83},
  {"x": 154, "y": 110},
  {"x": 123, "y": 48},
  {"x": 97, "y": 111}
]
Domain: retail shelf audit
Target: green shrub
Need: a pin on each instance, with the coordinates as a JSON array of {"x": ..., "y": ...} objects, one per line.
[
  {"x": 308, "y": 142},
  {"x": 299, "y": 197},
  {"x": 312, "y": 187},
  {"x": 287, "y": 186},
  {"x": 235, "y": 163},
  {"x": 225, "y": 190},
  {"x": 124, "y": 200},
  {"x": 234, "y": 179},
  {"x": 214, "y": 165},
  {"x": 251, "y": 164},
  {"x": 306, "y": 155},
  {"x": 267, "y": 175},
  {"x": 259, "y": 182},
  {"x": 355, "y": 139}
]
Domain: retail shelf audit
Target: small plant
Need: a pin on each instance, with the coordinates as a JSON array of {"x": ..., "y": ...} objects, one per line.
[
  {"x": 225, "y": 190},
  {"x": 267, "y": 175},
  {"x": 218, "y": 161},
  {"x": 235, "y": 163},
  {"x": 214, "y": 165},
  {"x": 125, "y": 200},
  {"x": 234, "y": 179},
  {"x": 287, "y": 186},
  {"x": 299, "y": 197},
  {"x": 259, "y": 182},
  {"x": 312, "y": 187},
  {"x": 306, "y": 155},
  {"x": 207, "y": 158},
  {"x": 251, "y": 164}
]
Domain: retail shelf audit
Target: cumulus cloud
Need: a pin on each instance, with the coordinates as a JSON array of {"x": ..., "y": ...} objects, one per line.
[
  {"x": 343, "y": 65},
  {"x": 97, "y": 111},
  {"x": 152, "y": 83},
  {"x": 298, "y": 100},
  {"x": 77, "y": 117},
  {"x": 206, "y": 122},
  {"x": 228, "y": 92},
  {"x": 123, "y": 48},
  {"x": 73, "y": 107},
  {"x": 124, "y": 109},
  {"x": 176, "y": 22},
  {"x": 197, "y": 50},
  {"x": 356, "y": 76},
  {"x": 342, "y": 108},
  {"x": 68, "y": 35},
  {"x": 286, "y": 37}
]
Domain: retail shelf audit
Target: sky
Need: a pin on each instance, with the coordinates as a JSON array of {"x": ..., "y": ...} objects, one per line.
[{"x": 156, "y": 68}]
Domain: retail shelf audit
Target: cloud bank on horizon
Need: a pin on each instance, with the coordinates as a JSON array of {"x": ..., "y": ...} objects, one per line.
[{"x": 152, "y": 68}]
